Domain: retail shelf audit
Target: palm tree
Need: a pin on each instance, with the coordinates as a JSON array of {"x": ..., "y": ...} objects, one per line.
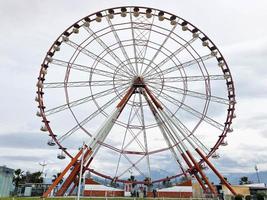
[
  {"x": 35, "y": 177},
  {"x": 17, "y": 178},
  {"x": 244, "y": 180},
  {"x": 167, "y": 182}
]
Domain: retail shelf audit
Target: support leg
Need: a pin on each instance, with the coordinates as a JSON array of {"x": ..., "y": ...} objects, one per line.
[
  {"x": 202, "y": 173},
  {"x": 74, "y": 173},
  {"x": 94, "y": 146},
  {"x": 216, "y": 172},
  {"x": 196, "y": 175},
  {"x": 170, "y": 124},
  {"x": 56, "y": 182}
]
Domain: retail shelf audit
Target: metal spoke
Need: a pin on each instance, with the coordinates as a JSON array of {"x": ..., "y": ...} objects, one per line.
[
  {"x": 110, "y": 52},
  {"x": 190, "y": 93},
  {"x": 134, "y": 43},
  {"x": 90, "y": 117},
  {"x": 187, "y": 78},
  {"x": 191, "y": 111},
  {"x": 183, "y": 65},
  {"x": 95, "y": 57},
  {"x": 184, "y": 46},
  {"x": 83, "y": 83},
  {"x": 83, "y": 68},
  {"x": 172, "y": 126},
  {"x": 120, "y": 44},
  {"x": 144, "y": 43},
  {"x": 82, "y": 100},
  {"x": 159, "y": 49},
  {"x": 172, "y": 122},
  {"x": 141, "y": 27},
  {"x": 184, "y": 128}
]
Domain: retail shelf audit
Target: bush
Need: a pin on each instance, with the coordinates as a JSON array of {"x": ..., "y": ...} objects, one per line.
[
  {"x": 248, "y": 197},
  {"x": 260, "y": 196},
  {"x": 239, "y": 197}
]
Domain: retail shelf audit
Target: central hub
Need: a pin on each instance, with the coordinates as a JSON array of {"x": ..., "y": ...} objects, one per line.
[{"x": 138, "y": 81}]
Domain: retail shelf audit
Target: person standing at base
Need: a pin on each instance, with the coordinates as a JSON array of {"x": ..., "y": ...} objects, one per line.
[
  {"x": 154, "y": 193},
  {"x": 145, "y": 192}
]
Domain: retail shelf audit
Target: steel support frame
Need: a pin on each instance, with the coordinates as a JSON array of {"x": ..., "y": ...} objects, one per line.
[
  {"x": 91, "y": 151},
  {"x": 62, "y": 174},
  {"x": 158, "y": 112},
  {"x": 195, "y": 168}
]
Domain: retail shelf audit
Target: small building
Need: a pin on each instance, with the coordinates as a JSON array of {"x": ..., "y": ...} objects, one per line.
[
  {"x": 32, "y": 189},
  {"x": 239, "y": 189},
  {"x": 176, "y": 192},
  {"x": 180, "y": 190},
  {"x": 256, "y": 188},
  {"x": 6, "y": 178},
  {"x": 245, "y": 190},
  {"x": 95, "y": 189}
]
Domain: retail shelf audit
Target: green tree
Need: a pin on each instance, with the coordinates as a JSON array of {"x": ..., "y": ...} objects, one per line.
[
  {"x": 133, "y": 180},
  {"x": 35, "y": 177},
  {"x": 239, "y": 197},
  {"x": 260, "y": 196},
  {"x": 244, "y": 180},
  {"x": 167, "y": 182},
  {"x": 17, "y": 179},
  {"x": 248, "y": 197}
]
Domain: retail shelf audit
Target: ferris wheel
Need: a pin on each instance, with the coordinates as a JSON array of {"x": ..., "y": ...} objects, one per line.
[{"x": 147, "y": 92}]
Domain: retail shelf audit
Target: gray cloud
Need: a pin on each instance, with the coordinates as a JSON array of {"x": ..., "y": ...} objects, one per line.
[
  {"x": 24, "y": 140},
  {"x": 20, "y": 158},
  {"x": 255, "y": 122}
]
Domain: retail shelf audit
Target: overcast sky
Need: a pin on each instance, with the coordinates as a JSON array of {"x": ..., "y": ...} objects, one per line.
[{"x": 28, "y": 28}]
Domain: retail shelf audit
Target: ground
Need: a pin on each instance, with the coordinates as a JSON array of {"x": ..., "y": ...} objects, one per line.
[{"x": 74, "y": 198}]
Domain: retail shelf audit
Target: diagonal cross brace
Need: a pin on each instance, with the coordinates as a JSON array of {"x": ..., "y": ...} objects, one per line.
[{"x": 91, "y": 149}]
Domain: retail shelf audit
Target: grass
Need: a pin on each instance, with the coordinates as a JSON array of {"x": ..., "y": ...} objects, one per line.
[
  {"x": 58, "y": 198},
  {"x": 96, "y": 198},
  {"x": 73, "y": 198}
]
